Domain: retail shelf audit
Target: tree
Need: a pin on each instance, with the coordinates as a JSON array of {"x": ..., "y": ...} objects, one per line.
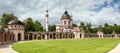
[
  {"x": 38, "y": 26},
  {"x": 29, "y": 25},
  {"x": 94, "y": 30},
  {"x": 107, "y": 30},
  {"x": 88, "y": 25},
  {"x": 6, "y": 18},
  {"x": 88, "y": 28},
  {"x": 100, "y": 27},
  {"x": 115, "y": 24},
  {"x": 74, "y": 25},
  {"x": 116, "y": 28},
  {"x": 52, "y": 28},
  {"x": 106, "y": 24},
  {"x": 82, "y": 24}
]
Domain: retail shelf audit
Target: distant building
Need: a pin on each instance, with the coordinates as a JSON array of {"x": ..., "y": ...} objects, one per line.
[
  {"x": 14, "y": 32},
  {"x": 66, "y": 26},
  {"x": 17, "y": 28},
  {"x": 66, "y": 23},
  {"x": 100, "y": 33},
  {"x": 5, "y": 35},
  {"x": 63, "y": 31},
  {"x": 114, "y": 34}
]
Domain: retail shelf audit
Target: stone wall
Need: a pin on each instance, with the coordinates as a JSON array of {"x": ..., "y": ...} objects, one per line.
[
  {"x": 48, "y": 35},
  {"x": 6, "y": 37},
  {"x": 94, "y": 35}
]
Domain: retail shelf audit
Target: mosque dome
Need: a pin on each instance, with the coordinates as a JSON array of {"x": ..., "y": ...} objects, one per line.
[
  {"x": 15, "y": 22},
  {"x": 66, "y": 16}
]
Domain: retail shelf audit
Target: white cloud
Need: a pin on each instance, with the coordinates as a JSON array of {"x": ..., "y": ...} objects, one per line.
[{"x": 80, "y": 10}]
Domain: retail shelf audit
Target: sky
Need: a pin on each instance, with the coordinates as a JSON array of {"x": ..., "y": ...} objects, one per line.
[{"x": 96, "y": 12}]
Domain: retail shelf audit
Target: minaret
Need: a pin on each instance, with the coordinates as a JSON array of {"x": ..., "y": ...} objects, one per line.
[
  {"x": 47, "y": 20},
  {"x": 46, "y": 23}
]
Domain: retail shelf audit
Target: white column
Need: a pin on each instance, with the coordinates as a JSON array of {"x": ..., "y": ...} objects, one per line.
[
  {"x": 102, "y": 35},
  {"x": 28, "y": 36},
  {"x": 46, "y": 36},
  {"x": 46, "y": 20},
  {"x": 115, "y": 35},
  {"x": 75, "y": 35},
  {"x": 32, "y": 36},
  {"x": 22, "y": 35},
  {"x": 15, "y": 37},
  {"x": 41, "y": 36},
  {"x": 82, "y": 35},
  {"x": 98, "y": 35},
  {"x": 37, "y": 36},
  {"x": 78, "y": 35}
]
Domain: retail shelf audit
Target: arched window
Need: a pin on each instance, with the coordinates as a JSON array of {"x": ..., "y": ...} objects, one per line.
[
  {"x": 5, "y": 37},
  {"x": 15, "y": 25},
  {"x": 65, "y": 22},
  {"x": 68, "y": 22},
  {"x": 80, "y": 30},
  {"x": 19, "y": 26},
  {"x": 10, "y": 37},
  {"x": 19, "y": 36},
  {"x": 80, "y": 35}
]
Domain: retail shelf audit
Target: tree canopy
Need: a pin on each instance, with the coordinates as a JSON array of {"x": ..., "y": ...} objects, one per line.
[
  {"x": 74, "y": 25},
  {"x": 38, "y": 26},
  {"x": 52, "y": 28},
  {"x": 6, "y": 18},
  {"x": 30, "y": 25}
]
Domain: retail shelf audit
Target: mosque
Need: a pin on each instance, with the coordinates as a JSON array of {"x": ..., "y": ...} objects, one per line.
[
  {"x": 66, "y": 26},
  {"x": 65, "y": 30}
]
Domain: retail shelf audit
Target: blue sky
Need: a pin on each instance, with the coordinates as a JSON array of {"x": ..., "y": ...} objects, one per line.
[{"x": 97, "y": 12}]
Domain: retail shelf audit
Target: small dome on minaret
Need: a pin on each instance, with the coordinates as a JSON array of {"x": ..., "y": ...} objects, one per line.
[
  {"x": 47, "y": 13},
  {"x": 46, "y": 10}
]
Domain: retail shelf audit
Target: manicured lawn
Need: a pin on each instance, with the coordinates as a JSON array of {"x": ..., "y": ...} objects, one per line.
[{"x": 93, "y": 45}]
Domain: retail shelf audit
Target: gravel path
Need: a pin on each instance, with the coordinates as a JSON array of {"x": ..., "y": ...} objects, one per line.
[
  {"x": 7, "y": 48},
  {"x": 116, "y": 49}
]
